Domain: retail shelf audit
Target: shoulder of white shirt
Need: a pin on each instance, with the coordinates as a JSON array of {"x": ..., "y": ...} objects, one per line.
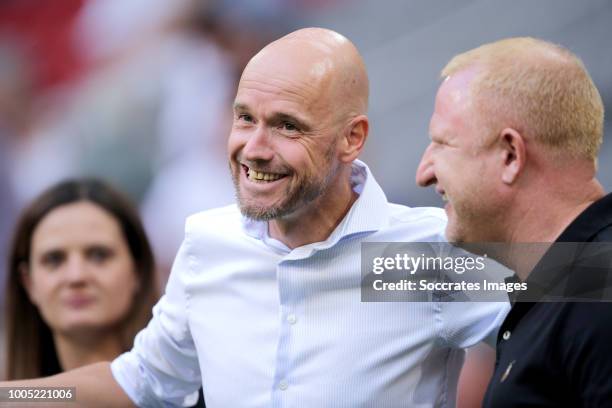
[
  {"x": 229, "y": 217},
  {"x": 221, "y": 218},
  {"x": 402, "y": 213}
]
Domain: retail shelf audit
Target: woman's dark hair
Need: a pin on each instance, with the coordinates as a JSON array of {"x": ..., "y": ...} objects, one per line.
[{"x": 30, "y": 349}]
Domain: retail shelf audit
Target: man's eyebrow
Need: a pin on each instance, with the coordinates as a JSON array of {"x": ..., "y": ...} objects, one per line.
[{"x": 240, "y": 107}]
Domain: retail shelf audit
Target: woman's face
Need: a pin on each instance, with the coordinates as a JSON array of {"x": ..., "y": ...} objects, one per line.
[{"x": 81, "y": 274}]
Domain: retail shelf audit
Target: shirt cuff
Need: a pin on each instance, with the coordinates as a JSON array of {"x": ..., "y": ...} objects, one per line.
[{"x": 126, "y": 371}]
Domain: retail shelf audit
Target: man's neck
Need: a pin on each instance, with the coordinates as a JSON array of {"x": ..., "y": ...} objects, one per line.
[{"x": 545, "y": 220}]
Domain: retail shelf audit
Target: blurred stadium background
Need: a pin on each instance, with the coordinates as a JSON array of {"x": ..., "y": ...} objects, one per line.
[{"x": 139, "y": 91}]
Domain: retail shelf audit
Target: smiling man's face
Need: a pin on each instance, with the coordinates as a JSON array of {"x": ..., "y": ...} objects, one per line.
[
  {"x": 282, "y": 147},
  {"x": 459, "y": 166}
]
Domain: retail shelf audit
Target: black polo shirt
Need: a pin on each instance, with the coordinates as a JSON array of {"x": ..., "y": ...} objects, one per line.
[{"x": 553, "y": 354}]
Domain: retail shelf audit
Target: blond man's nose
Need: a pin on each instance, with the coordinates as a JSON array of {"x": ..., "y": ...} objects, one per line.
[{"x": 425, "y": 174}]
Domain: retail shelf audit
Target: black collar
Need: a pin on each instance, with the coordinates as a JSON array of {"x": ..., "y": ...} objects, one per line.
[
  {"x": 551, "y": 276},
  {"x": 596, "y": 217}
]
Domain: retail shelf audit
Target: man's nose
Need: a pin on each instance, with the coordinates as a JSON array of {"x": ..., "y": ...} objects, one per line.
[
  {"x": 259, "y": 145},
  {"x": 425, "y": 174}
]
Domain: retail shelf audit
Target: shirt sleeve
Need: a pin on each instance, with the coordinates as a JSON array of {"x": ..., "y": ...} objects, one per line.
[
  {"x": 162, "y": 368},
  {"x": 467, "y": 323}
]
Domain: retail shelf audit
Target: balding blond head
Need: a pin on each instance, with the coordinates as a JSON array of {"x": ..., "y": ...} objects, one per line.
[{"x": 541, "y": 89}]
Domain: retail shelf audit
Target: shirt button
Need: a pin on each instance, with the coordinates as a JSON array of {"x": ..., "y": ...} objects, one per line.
[
  {"x": 283, "y": 385},
  {"x": 291, "y": 319},
  {"x": 506, "y": 335}
]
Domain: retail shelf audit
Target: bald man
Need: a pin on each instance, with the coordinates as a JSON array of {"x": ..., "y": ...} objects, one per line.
[
  {"x": 515, "y": 133},
  {"x": 263, "y": 306}
]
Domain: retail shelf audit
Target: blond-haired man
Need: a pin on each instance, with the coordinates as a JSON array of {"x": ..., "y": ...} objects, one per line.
[{"x": 515, "y": 135}]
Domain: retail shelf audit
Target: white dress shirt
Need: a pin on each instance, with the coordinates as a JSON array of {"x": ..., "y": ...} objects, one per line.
[{"x": 257, "y": 324}]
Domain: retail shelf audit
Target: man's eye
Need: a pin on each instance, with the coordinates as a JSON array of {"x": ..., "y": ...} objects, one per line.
[
  {"x": 244, "y": 117},
  {"x": 290, "y": 127}
]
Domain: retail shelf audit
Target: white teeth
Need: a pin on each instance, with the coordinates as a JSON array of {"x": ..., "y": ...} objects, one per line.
[{"x": 261, "y": 176}]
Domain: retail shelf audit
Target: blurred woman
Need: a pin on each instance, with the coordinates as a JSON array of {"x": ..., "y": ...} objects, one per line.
[{"x": 81, "y": 280}]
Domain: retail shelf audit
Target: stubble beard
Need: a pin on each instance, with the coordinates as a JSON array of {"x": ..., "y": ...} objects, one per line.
[
  {"x": 297, "y": 195},
  {"x": 474, "y": 222}
]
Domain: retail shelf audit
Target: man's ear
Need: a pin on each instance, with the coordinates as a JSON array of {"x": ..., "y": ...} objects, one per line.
[
  {"x": 514, "y": 154},
  {"x": 26, "y": 280},
  {"x": 353, "y": 140}
]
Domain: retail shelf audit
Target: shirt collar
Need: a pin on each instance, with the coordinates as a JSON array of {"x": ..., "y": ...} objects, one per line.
[
  {"x": 368, "y": 213},
  {"x": 596, "y": 217},
  {"x": 557, "y": 264}
]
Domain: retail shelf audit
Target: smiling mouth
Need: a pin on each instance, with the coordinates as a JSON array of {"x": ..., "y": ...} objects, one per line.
[
  {"x": 442, "y": 194},
  {"x": 261, "y": 176}
]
